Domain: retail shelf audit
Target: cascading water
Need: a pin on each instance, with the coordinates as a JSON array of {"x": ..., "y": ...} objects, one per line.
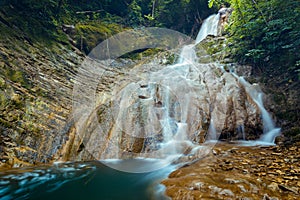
[
  {"x": 169, "y": 111},
  {"x": 188, "y": 56},
  {"x": 156, "y": 113},
  {"x": 212, "y": 133},
  {"x": 209, "y": 27},
  {"x": 270, "y": 132},
  {"x": 161, "y": 116}
]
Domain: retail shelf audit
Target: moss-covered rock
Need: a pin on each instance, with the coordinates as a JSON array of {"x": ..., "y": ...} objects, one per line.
[
  {"x": 90, "y": 33},
  {"x": 215, "y": 47}
]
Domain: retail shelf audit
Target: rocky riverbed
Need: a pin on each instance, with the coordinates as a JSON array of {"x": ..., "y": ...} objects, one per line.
[{"x": 239, "y": 172}]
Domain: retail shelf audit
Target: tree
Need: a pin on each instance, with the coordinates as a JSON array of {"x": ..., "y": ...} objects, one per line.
[
  {"x": 265, "y": 32},
  {"x": 135, "y": 17}
]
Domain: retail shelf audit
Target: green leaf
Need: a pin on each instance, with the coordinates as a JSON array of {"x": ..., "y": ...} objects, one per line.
[{"x": 210, "y": 3}]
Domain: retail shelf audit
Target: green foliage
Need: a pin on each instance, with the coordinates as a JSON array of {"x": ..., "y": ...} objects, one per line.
[
  {"x": 142, "y": 53},
  {"x": 181, "y": 15},
  {"x": 265, "y": 32},
  {"x": 135, "y": 14},
  {"x": 42, "y": 20},
  {"x": 34, "y": 19},
  {"x": 217, "y": 3},
  {"x": 90, "y": 34},
  {"x": 17, "y": 76}
]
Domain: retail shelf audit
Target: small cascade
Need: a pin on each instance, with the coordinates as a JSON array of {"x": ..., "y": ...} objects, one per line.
[
  {"x": 187, "y": 55},
  {"x": 267, "y": 120},
  {"x": 212, "y": 132},
  {"x": 209, "y": 27},
  {"x": 241, "y": 131},
  {"x": 270, "y": 132}
]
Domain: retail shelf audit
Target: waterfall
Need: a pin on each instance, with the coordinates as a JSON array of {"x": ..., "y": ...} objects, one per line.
[
  {"x": 165, "y": 113},
  {"x": 270, "y": 132},
  {"x": 159, "y": 109},
  {"x": 187, "y": 55},
  {"x": 209, "y": 27},
  {"x": 212, "y": 132}
]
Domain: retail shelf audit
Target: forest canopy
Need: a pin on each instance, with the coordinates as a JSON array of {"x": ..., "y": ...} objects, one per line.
[{"x": 264, "y": 32}]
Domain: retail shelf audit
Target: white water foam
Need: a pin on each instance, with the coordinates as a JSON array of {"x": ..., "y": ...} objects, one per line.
[
  {"x": 209, "y": 27},
  {"x": 270, "y": 132}
]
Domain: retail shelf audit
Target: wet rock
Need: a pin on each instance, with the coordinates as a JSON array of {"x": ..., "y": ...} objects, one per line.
[
  {"x": 273, "y": 186},
  {"x": 214, "y": 189},
  {"x": 37, "y": 98},
  {"x": 263, "y": 181},
  {"x": 227, "y": 192},
  {"x": 206, "y": 88},
  {"x": 215, "y": 152},
  {"x": 232, "y": 181},
  {"x": 267, "y": 197},
  {"x": 290, "y": 189},
  {"x": 2, "y": 82},
  {"x": 69, "y": 29},
  {"x": 280, "y": 140},
  {"x": 198, "y": 186},
  {"x": 242, "y": 188}
]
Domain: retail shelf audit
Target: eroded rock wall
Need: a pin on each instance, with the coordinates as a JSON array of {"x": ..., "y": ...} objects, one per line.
[{"x": 36, "y": 97}]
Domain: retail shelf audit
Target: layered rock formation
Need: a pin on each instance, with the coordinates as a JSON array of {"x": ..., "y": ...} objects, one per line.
[
  {"x": 152, "y": 103},
  {"x": 36, "y": 97}
]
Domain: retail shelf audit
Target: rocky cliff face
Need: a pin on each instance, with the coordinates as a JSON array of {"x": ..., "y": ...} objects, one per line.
[
  {"x": 35, "y": 91},
  {"x": 143, "y": 105}
]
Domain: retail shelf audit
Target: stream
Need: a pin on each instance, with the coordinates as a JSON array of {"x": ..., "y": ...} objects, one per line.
[
  {"x": 80, "y": 180},
  {"x": 229, "y": 171}
]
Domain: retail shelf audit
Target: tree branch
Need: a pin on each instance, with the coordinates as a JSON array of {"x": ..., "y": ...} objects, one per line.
[{"x": 89, "y": 11}]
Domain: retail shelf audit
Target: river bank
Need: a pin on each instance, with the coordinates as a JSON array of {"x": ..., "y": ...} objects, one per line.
[{"x": 239, "y": 172}]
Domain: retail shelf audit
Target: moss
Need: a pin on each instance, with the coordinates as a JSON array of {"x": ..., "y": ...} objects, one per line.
[
  {"x": 41, "y": 93},
  {"x": 151, "y": 51},
  {"x": 5, "y": 123},
  {"x": 171, "y": 58},
  {"x": 31, "y": 127},
  {"x": 2, "y": 82},
  {"x": 3, "y": 100},
  {"x": 91, "y": 33},
  {"x": 17, "y": 101},
  {"x": 215, "y": 47},
  {"x": 218, "y": 72},
  {"x": 227, "y": 68},
  {"x": 17, "y": 76},
  {"x": 61, "y": 37},
  {"x": 141, "y": 53}
]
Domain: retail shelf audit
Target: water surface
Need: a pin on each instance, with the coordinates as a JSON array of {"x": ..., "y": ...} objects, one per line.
[{"x": 81, "y": 180}]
